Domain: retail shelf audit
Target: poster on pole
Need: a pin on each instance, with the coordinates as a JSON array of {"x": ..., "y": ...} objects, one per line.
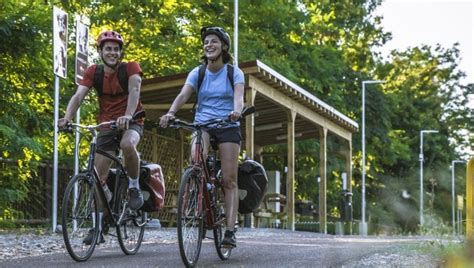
[
  {"x": 82, "y": 44},
  {"x": 59, "y": 42}
]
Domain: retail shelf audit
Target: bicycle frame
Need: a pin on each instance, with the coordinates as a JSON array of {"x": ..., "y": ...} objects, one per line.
[
  {"x": 91, "y": 170},
  {"x": 199, "y": 165}
]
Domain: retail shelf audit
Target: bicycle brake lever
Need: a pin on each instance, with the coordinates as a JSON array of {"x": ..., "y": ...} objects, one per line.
[
  {"x": 67, "y": 128},
  {"x": 113, "y": 125}
]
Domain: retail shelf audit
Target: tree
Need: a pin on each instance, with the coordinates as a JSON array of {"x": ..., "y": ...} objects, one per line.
[{"x": 26, "y": 102}]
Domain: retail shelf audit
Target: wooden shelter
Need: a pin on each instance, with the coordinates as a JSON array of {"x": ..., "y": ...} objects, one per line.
[{"x": 285, "y": 113}]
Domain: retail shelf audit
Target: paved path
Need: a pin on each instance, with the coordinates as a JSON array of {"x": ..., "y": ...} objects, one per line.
[{"x": 256, "y": 248}]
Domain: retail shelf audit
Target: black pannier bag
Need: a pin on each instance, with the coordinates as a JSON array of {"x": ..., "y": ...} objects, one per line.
[{"x": 252, "y": 183}]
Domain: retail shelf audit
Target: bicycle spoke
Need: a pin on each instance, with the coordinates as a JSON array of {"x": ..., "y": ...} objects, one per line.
[
  {"x": 190, "y": 221},
  {"x": 131, "y": 227},
  {"x": 79, "y": 217}
]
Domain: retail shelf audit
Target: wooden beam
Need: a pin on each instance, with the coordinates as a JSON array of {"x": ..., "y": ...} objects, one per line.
[
  {"x": 166, "y": 106},
  {"x": 302, "y": 110},
  {"x": 163, "y": 85}
]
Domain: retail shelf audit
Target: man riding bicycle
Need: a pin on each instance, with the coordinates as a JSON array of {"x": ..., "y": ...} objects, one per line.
[
  {"x": 118, "y": 101},
  {"x": 217, "y": 98}
]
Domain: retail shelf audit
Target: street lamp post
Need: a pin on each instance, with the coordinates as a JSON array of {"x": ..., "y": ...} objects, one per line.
[
  {"x": 421, "y": 172},
  {"x": 363, "y": 224},
  {"x": 453, "y": 192}
]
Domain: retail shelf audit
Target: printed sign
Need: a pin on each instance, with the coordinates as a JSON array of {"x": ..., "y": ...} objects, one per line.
[
  {"x": 82, "y": 44},
  {"x": 460, "y": 202},
  {"x": 59, "y": 42}
]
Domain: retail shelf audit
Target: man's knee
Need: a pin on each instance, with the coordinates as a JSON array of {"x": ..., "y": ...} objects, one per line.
[{"x": 127, "y": 145}]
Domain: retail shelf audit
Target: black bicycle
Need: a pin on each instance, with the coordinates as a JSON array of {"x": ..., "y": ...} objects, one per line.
[
  {"x": 85, "y": 208},
  {"x": 201, "y": 196}
]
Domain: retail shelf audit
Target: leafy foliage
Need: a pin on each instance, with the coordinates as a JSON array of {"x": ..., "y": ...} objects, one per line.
[{"x": 324, "y": 46}]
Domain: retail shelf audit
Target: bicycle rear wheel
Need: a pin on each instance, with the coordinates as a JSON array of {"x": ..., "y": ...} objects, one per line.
[
  {"x": 131, "y": 226},
  {"x": 190, "y": 218},
  {"x": 223, "y": 252},
  {"x": 79, "y": 217}
]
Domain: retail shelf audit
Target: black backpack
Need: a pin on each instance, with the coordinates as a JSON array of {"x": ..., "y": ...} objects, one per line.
[
  {"x": 202, "y": 72},
  {"x": 253, "y": 181},
  {"x": 122, "y": 77}
]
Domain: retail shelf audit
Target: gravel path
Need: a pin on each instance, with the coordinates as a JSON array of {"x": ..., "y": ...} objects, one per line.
[{"x": 30, "y": 243}]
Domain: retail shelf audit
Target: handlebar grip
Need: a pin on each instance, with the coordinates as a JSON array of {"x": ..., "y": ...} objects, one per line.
[{"x": 67, "y": 128}]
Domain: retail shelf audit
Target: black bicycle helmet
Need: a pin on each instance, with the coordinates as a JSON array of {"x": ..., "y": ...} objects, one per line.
[{"x": 220, "y": 32}]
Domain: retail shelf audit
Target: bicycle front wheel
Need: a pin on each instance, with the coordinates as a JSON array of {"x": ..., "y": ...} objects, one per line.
[
  {"x": 223, "y": 252},
  {"x": 190, "y": 218},
  {"x": 131, "y": 225},
  {"x": 79, "y": 217}
]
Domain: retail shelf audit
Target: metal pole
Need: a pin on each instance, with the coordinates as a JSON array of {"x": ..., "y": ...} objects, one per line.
[
  {"x": 422, "y": 220},
  {"x": 364, "y": 224},
  {"x": 363, "y": 228},
  {"x": 236, "y": 32},
  {"x": 55, "y": 154},
  {"x": 421, "y": 178}
]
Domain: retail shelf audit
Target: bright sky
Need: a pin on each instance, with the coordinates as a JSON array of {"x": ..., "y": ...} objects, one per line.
[{"x": 416, "y": 22}]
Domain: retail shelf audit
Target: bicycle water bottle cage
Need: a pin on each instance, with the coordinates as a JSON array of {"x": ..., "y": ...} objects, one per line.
[
  {"x": 210, "y": 162},
  {"x": 213, "y": 143}
]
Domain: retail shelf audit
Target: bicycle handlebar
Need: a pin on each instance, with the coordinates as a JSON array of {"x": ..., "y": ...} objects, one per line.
[
  {"x": 177, "y": 123},
  {"x": 113, "y": 124}
]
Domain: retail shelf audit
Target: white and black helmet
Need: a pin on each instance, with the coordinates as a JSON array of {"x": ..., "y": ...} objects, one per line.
[{"x": 220, "y": 32}]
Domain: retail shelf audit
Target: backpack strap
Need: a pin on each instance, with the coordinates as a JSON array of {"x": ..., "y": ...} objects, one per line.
[
  {"x": 202, "y": 72},
  {"x": 99, "y": 78},
  {"x": 230, "y": 75},
  {"x": 123, "y": 76}
]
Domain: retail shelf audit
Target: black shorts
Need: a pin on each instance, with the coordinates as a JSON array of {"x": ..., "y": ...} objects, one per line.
[
  {"x": 221, "y": 135},
  {"x": 109, "y": 140}
]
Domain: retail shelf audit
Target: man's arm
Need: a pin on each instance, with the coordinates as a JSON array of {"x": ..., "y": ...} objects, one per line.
[{"x": 134, "y": 85}]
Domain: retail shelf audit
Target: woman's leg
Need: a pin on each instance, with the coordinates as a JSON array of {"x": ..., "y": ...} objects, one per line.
[{"x": 229, "y": 155}]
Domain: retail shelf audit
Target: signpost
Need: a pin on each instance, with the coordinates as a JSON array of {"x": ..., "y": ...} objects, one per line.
[{"x": 60, "y": 70}]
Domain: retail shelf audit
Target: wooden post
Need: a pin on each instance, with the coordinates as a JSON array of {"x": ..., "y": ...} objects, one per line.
[
  {"x": 323, "y": 132},
  {"x": 249, "y": 124},
  {"x": 290, "y": 191},
  {"x": 154, "y": 150},
  {"x": 348, "y": 163}
]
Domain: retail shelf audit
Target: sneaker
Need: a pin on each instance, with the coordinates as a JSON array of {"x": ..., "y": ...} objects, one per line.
[
  {"x": 135, "y": 198},
  {"x": 90, "y": 236},
  {"x": 229, "y": 239}
]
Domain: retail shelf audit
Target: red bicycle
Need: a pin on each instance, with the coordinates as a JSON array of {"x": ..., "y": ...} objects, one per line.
[{"x": 201, "y": 196}]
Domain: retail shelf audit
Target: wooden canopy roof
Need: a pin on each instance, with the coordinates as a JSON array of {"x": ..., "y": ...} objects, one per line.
[
  {"x": 158, "y": 93},
  {"x": 285, "y": 113}
]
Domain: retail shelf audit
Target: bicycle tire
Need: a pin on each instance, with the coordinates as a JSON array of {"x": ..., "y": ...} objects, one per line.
[
  {"x": 219, "y": 210},
  {"x": 190, "y": 218},
  {"x": 132, "y": 226},
  {"x": 79, "y": 217}
]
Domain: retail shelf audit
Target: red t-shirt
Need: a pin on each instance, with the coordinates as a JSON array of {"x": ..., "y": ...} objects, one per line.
[{"x": 113, "y": 102}]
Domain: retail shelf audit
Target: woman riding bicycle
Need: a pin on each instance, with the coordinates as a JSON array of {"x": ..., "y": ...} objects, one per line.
[{"x": 217, "y": 98}]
